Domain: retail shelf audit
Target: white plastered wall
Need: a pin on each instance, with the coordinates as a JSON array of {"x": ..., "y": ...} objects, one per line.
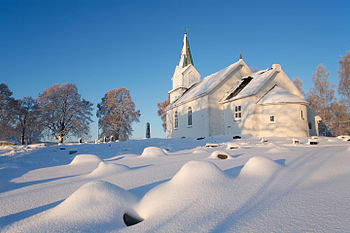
[
  {"x": 216, "y": 110},
  {"x": 288, "y": 120},
  {"x": 248, "y": 122},
  {"x": 200, "y": 122}
]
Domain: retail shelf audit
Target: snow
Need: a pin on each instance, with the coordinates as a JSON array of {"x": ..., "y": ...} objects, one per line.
[
  {"x": 278, "y": 95},
  {"x": 258, "y": 80},
  {"x": 215, "y": 154},
  {"x": 85, "y": 158},
  {"x": 259, "y": 167},
  {"x": 275, "y": 186},
  {"x": 94, "y": 205},
  {"x": 104, "y": 169},
  {"x": 152, "y": 152}
]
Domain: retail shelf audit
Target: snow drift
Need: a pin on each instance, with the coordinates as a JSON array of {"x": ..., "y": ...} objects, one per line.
[
  {"x": 104, "y": 169},
  {"x": 85, "y": 158},
  {"x": 152, "y": 152},
  {"x": 97, "y": 206},
  {"x": 259, "y": 167},
  {"x": 197, "y": 183}
]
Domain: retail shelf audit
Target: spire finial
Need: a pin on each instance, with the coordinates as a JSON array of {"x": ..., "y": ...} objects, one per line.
[
  {"x": 240, "y": 55},
  {"x": 185, "y": 30}
]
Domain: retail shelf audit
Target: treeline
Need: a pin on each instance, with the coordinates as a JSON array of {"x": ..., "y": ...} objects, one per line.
[
  {"x": 335, "y": 112},
  {"x": 60, "y": 111}
]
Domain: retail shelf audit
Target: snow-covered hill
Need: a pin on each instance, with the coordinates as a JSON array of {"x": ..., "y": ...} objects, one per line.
[{"x": 177, "y": 185}]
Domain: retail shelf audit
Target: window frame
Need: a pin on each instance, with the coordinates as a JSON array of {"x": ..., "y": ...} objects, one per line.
[
  {"x": 302, "y": 115},
  {"x": 176, "y": 120},
  {"x": 189, "y": 117},
  {"x": 238, "y": 112}
]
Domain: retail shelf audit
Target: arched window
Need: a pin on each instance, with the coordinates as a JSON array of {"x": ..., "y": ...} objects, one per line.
[
  {"x": 189, "y": 116},
  {"x": 176, "y": 123}
]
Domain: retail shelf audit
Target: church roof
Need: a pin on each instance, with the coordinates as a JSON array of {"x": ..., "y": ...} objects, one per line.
[
  {"x": 278, "y": 95},
  {"x": 185, "y": 57},
  {"x": 206, "y": 85},
  {"x": 251, "y": 84}
]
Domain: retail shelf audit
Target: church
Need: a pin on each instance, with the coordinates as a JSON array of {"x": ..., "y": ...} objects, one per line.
[{"x": 235, "y": 101}]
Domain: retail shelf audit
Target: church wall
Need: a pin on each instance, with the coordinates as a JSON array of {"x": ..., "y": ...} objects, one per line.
[
  {"x": 288, "y": 120},
  {"x": 247, "y": 123},
  {"x": 216, "y": 110},
  {"x": 200, "y": 124}
]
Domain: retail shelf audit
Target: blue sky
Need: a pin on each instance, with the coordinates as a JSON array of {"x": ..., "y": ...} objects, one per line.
[{"x": 104, "y": 45}]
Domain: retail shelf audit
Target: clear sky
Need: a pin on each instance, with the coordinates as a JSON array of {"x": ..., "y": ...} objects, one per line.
[{"x": 104, "y": 45}]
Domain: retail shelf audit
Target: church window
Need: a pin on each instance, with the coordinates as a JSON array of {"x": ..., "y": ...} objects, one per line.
[
  {"x": 272, "y": 119},
  {"x": 238, "y": 112},
  {"x": 302, "y": 114},
  {"x": 176, "y": 123},
  {"x": 189, "y": 116}
]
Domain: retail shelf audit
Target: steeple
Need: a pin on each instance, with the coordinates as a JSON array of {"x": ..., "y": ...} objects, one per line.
[
  {"x": 185, "y": 58},
  {"x": 185, "y": 74}
]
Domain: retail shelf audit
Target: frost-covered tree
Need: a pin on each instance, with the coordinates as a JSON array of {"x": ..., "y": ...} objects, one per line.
[
  {"x": 7, "y": 103},
  {"x": 161, "y": 111},
  {"x": 340, "y": 119},
  {"x": 299, "y": 84},
  {"x": 321, "y": 95},
  {"x": 342, "y": 108},
  {"x": 344, "y": 78},
  {"x": 116, "y": 113},
  {"x": 63, "y": 111},
  {"x": 28, "y": 124}
]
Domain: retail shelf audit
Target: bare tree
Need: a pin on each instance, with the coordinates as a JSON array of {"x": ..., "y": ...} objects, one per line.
[
  {"x": 116, "y": 112},
  {"x": 63, "y": 111},
  {"x": 321, "y": 95},
  {"x": 299, "y": 84},
  {"x": 344, "y": 78},
  {"x": 340, "y": 119},
  {"x": 342, "y": 108},
  {"x": 7, "y": 103},
  {"x": 161, "y": 111},
  {"x": 27, "y": 120}
]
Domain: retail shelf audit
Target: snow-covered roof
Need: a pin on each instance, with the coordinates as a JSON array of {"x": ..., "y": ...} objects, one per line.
[
  {"x": 257, "y": 80},
  {"x": 207, "y": 84},
  {"x": 278, "y": 95}
]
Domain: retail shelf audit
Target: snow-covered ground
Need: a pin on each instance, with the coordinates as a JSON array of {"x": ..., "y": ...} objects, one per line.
[{"x": 177, "y": 185}]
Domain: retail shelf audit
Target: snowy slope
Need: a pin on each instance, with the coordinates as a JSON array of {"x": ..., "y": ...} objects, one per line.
[{"x": 177, "y": 185}]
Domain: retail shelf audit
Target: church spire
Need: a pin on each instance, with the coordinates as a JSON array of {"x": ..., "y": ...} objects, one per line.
[{"x": 186, "y": 57}]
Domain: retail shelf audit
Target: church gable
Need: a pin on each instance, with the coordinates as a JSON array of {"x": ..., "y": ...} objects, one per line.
[
  {"x": 278, "y": 95},
  {"x": 209, "y": 83}
]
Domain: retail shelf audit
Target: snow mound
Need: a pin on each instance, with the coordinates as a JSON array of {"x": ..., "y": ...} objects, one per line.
[
  {"x": 85, "y": 158},
  {"x": 259, "y": 167},
  {"x": 197, "y": 183},
  {"x": 97, "y": 206},
  {"x": 104, "y": 169},
  {"x": 232, "y": 145},
  {"x": 152, "y": 152},
  {"x": 198, "y": 172},
  {"x": 219, "y": 155}
]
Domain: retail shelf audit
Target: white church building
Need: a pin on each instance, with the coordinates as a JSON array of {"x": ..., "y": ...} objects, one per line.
[{"x": 235, "y": 101}]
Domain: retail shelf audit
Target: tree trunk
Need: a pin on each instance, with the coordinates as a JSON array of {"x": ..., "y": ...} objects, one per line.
[{"x": 22, "y": 136}]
